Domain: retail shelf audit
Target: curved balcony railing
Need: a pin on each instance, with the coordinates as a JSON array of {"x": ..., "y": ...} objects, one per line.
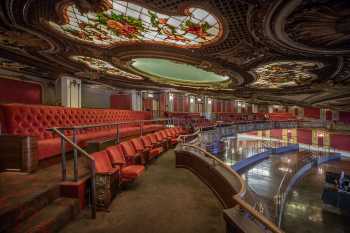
[{"x": 238, "y": 197}]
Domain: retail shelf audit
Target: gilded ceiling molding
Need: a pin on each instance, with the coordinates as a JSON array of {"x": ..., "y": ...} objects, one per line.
[
  {"x": 111, "y": 23},
  {"x": 285, "y": 74},
  {"x": 104, "y": 67}
]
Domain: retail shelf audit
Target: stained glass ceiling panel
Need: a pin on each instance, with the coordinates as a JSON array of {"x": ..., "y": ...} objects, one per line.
[{"x": 127, "y": 22}]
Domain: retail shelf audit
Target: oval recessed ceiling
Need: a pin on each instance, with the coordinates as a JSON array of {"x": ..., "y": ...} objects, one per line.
[
  {"x": 165, "y": 70},
  {"x": 126, "y": 23}
]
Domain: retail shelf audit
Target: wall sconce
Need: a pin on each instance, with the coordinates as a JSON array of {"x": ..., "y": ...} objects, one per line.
[
  {"x": 239, "y": 104},
  {"x": 150, "y": 95},
  {"x": 320, "y": 135},
  {"x": 199, "y": 99},
  {"x": 171, "y": 96},
  {"x": 191, "y": 100},
  {"x": 209, "y": 101}
]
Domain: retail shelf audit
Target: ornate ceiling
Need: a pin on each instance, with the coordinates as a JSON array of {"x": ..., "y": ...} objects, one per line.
[{"x": 294, "y": 52}]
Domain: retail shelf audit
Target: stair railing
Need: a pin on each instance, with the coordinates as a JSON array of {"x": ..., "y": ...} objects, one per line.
[{"x": 91, "y": 159}]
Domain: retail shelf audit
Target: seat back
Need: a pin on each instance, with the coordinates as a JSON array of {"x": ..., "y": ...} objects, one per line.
[
  {"x": 163, "y": 133},
  {"x": 102, "y": 162},
  {"x": 173, "y": 132},
  {"x": 153, "y": 138},
  {"x": 128, "y": 148},
  {"x": 138, "y": 144},
  {"x": 159, "y": 136},
  {"x": 146, "y": 141},
  {"x": 116, "y": 155}
]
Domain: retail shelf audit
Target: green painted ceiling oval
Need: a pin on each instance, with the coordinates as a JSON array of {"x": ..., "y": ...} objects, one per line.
[{"x": 175, "y": 71}]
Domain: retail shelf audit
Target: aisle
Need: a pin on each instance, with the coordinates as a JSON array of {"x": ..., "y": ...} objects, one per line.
[{"x": 164, "y": 200}]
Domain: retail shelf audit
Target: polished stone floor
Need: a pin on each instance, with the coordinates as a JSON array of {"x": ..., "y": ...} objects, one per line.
[
  {"x": 304, "y": 211},
  {"x": 270, "y": 177}
]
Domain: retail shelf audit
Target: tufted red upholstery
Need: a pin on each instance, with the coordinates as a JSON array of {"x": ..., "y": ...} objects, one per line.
[{"x": 33, "y": 120}]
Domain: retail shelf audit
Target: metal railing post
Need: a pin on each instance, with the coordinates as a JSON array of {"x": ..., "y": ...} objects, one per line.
[
  {"x": 141, "y": 128},
  {"x": 63, "y": 158},
  {"x": 93, "y": 190},
  {"x": 75, "y": 155},
  {"x": 118, "y": 136}
]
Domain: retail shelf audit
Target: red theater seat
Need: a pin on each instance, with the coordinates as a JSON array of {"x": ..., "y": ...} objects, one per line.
[
  {"x": 127, "y": 172},
  {"x": 103, "y": 164},
  {"x": 140, "y": 148},
  {"x": 154, "y": 149},
  {"x": 131, "y": 155}
]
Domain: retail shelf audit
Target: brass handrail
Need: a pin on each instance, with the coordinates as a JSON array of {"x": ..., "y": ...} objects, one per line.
[
  {"x": 184, "y": 136},
  {"x": 107, "y": 124},
  {"x": 238, "y": 197},
  {"x": 92, "y": 167}
]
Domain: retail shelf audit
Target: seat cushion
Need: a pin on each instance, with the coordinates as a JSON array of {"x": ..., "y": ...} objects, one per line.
[
  {"x": 102, "y": 162},
  {"x": 116, "y": 155},
  {"x": 132, "y": 171}
]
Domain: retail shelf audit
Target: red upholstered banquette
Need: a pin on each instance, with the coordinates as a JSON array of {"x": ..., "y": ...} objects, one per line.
[{"x": 33, "y": 120}]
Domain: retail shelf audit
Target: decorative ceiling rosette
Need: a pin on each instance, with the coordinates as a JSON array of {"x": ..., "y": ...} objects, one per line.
[
  {"x": 104, "y": 67},
  {"x": 123, "y": 22},
  {"x": 285, "y": 74},
  {"x": 312, "y": 27}
]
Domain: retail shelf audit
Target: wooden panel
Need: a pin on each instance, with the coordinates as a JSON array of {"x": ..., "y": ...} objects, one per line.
[{"x": 18, "y": 152}]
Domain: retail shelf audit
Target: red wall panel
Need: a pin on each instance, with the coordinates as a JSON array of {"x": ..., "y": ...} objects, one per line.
[
  {"x": 122, "y": 101},
  {"x": 344, "y": 117},
  {"x": 329, "y": 115},
  {"x": 16, "y": 91},
  {"x": 147, "y": 104},
  {"x": 341, "y": 142},
  {"x": 304, "y": 136},
  {"x": 312, "y": 112},
  {"x": 276, "y": 133}
]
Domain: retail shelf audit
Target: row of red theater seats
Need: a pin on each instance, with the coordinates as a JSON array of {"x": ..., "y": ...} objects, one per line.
[
  {"x": 125, "y": 162},
  {"x": 34, "y": 120}
]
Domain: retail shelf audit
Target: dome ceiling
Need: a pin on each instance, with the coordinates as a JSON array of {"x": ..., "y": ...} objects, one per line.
[{"x": 262, "y": 51}]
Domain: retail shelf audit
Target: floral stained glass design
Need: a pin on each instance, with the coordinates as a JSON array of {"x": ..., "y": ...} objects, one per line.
[
  {"x": 127, "y": 22},
  {"x": 105, "y": 67},
  {"x": 285, "y": 74}
]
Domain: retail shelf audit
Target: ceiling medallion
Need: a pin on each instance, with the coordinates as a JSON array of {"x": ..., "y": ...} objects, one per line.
[
  {"x": 285, "y": 74},
  {"x": 126, "y": 23},
  {"x": 176, "y": 73},
  {"x": 104, "y": 67}
]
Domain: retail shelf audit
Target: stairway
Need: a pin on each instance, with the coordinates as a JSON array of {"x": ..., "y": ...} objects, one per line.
[{"x": 42, "y": 211}]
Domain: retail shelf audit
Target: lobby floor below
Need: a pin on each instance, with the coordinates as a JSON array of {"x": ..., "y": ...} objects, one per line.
[{"x": 164, "y": 199}]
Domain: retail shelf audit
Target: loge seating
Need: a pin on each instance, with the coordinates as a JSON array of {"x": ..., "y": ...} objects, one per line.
[
  {"x": 132, "y": 156},
  {"x": 280, "y": 116},
  {"x": 34, "y": 120},
  {"x": 154, "y": 150},
  {"x": 128, "y": 173},
  {"x": 112, "y": 171},
  {"x": 116, "y": 164}
]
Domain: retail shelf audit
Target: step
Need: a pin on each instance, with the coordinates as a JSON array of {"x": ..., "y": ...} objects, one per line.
[
  {"x": 20, "y": 204},
  {"x": 51, "y": 218}
]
